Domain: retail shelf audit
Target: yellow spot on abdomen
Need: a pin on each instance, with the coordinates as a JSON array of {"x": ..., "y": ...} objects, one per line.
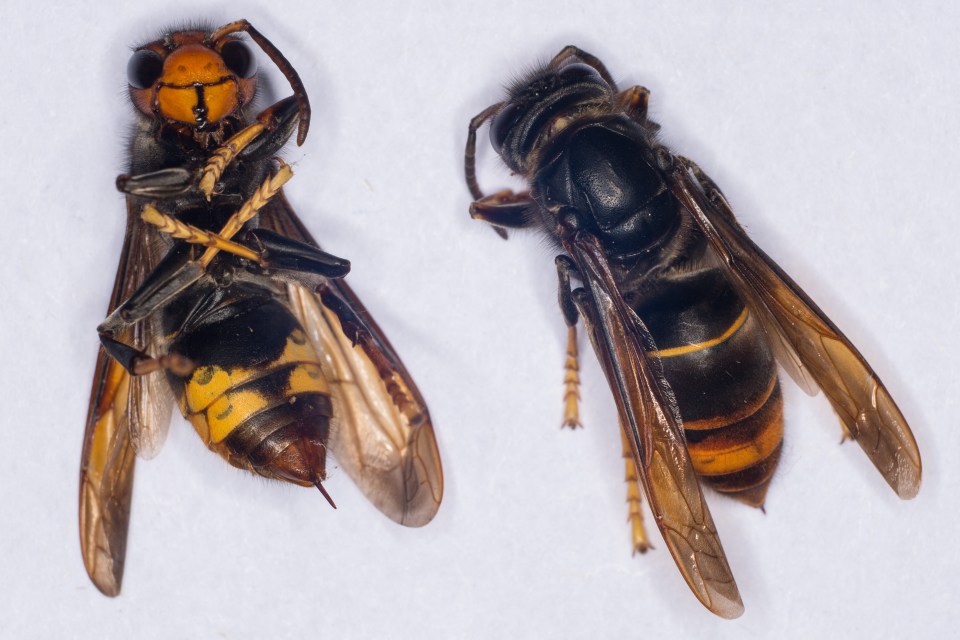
[
  {"x": 227, "y": 412},
  {"x": 215, "y": 405}
]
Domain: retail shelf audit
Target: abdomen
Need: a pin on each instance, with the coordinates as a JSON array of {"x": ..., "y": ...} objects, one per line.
[
  {"x": 257, "y": 386},
  {"x": 716, "y": 359}
]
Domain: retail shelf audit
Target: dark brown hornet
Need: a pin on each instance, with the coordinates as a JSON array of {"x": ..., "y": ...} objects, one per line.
[
  {"x": 686, "y": 314},
  {"x": 224, "y": 302}
]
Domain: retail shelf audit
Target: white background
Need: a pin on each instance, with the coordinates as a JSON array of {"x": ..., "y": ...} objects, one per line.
[{"x": 833, "y": 131}]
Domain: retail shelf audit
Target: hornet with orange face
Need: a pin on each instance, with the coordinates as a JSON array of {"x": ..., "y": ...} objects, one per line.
[{"x": 224, "y": 303}]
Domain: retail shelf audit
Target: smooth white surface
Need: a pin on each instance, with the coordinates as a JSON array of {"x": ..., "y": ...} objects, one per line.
[{"x": 832, "y": 130}]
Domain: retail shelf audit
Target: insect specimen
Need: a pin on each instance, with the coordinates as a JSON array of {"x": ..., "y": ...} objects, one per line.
[
  {"x": 224, "y": 303},
  {"x": 687, "y": 315}
]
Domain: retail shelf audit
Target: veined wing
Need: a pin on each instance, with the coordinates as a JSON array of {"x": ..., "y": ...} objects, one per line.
[
  {"x": 382, "y": 435},
  {"x": 814, "y": 344},
  {"x": 651, "y": 422},
  {"x": 125, "y": 415}
]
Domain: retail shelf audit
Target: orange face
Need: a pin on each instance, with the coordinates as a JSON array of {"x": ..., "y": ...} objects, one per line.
[{"x": 188, "y": 79}]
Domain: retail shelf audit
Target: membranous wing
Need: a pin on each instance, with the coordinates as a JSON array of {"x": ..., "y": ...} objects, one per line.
[
  {"x": 651, "y": 422},
  {"x": 381, "y": 435},
  {"x": 127, "y": 415},
  {"x": 807, "y": 343}
]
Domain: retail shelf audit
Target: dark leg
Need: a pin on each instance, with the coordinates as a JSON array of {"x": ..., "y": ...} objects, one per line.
[
  {"x": 278, "y": 120},
  {"x": 261, "y": 139},
  {"x": 162, "y": 184},
  {"x": 571, "y": 366},
  {"x": 503, "y": 209},
  {"x": 282, "y": 253},
  {"x": 470, "y": 154},
  {"x": 571, "y": 51},
  {"x": 565, "y": 267},
  {"x": 270, "y": 187},
  {"x": 170, "y": 277},
  {"x": 139, "y": 363}
]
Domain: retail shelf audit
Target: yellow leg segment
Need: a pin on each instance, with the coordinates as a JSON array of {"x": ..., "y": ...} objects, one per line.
[
  {"x": 216, "y": 242},
  {"x": 259, "y": 199},
  {"x": 571, "y": 382},
  {"x": 224, "y": 156},
  {"x": 638, "y": 535},
  {"x": 194, "y": 235}
]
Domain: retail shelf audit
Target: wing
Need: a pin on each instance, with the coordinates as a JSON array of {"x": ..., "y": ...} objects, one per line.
[
  {"x": 382, "y": 435},
  {"x": 651, "y": 421},
  {"x": 124, "y": 412},
  {"x": 810, "y": 345}
]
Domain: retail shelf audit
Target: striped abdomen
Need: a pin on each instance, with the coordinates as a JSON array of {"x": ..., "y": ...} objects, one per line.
[
  {"x": 257, "y": 396},
  {"x": 717, "y": 361}
]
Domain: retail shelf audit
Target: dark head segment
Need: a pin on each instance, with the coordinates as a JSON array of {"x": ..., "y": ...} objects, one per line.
[
  {"x": 543, "y": 104},
  {"x": 199, "y": 78}
]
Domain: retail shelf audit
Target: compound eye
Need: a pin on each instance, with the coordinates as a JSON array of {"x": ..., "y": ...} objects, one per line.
[
  {"x": 144, "y": 68},
  {"x": 577, "y": 72},
  {"x": 239, "y": 59},
  {"x": 502, "y": 124}
]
